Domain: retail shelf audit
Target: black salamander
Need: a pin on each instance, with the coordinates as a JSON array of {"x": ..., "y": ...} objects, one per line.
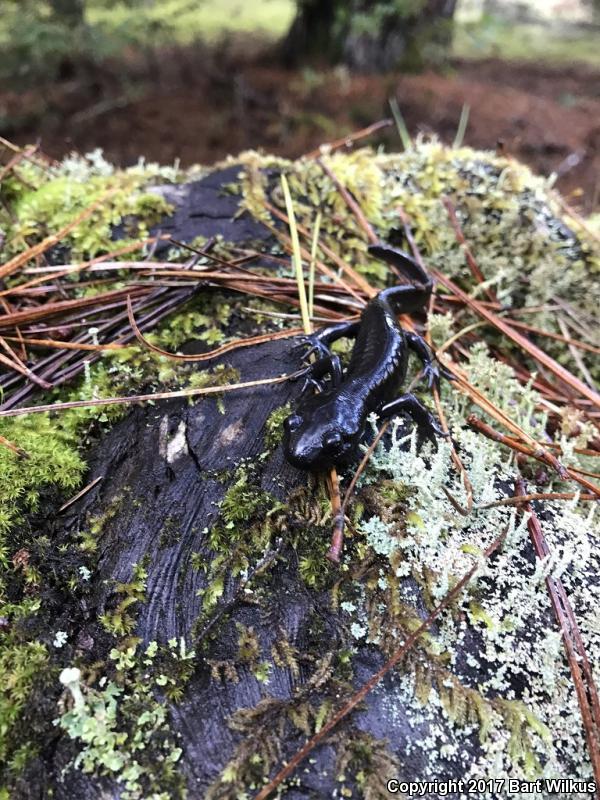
[{"x": 326, "y": 428}]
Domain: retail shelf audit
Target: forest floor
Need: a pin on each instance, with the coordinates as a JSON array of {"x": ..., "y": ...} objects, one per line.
[{"x": 199, "y": 105}]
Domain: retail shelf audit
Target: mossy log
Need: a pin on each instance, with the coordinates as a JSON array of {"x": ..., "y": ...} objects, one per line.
[{"x": 190, "y": 586}]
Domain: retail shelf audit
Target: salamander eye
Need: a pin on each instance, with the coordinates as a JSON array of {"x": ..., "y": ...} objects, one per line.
[
  {"x": 292, "y": 423},
  {"x": 332, "y": 440}
]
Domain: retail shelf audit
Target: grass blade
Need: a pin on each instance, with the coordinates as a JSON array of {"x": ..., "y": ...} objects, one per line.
[
  {"x": 400, "y": 124},
  {"x": 462, "y": 126},
  {"x": 296, "y": 257}
]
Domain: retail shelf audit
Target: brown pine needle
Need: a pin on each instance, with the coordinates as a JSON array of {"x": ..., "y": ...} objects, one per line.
[
  {"x": 22, "y": 258},
  {"x": 17, "y": 366},
  {"x": 219, "y": 351},
  {"x": 80, "y": 494},
  {"x": 582, "y": 451},
  {"x": 350, "y": 202},
  {"x": 18, "y": 451},
  {"x": 23, "y": 155},
  {"x": 348, "y": 141},
  {"x": 526, "y": 498},
  {"x": 362, "y": 465},
  {"x": 337, "y": 510},
  {"x": 575, "y": 353},
  {"x": 460, "y": 237},
  {"x": 551, "y": 335},
  {"x": 538, "y": 454},
  {"x": 359, "y": 696},
  {"x": 56, "y": 344}
]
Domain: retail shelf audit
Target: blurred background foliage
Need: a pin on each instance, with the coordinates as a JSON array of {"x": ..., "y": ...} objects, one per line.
[
  {"x": 39, "y": 37},
  {"x": 42, "y": 40},
  {"x": 197, "y": 79}
]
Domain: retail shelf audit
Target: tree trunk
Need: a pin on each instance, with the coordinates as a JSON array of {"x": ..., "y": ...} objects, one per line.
[{"x": 371, "y": 35}]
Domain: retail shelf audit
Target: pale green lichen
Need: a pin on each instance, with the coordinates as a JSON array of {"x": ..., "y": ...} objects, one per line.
[
  {"x": 524, "y": 737},
  {"x": 122, "y": 729}
]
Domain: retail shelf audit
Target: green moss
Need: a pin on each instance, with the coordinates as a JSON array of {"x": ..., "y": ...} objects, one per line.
[
  {"x": 88, "y": 538},
  {"x": 274, "y": 426},
  {"x": 52, "y": 457},
  {"x": 221, "y": 375},
  {"x": 120, "y": 621},
  {"x": 61, "y": 196},
  {"x": 20, "y": 666},
  {"x": 203, "y": 318},
  {"x": 239, "y": 538},
  {"x": 243, "y": 500}
]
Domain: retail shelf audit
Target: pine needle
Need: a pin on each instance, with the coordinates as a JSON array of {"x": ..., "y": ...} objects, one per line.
[{"x": 145, "y": 398}]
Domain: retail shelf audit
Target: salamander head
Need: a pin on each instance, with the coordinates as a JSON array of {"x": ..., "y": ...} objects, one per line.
[{"x": 322, "y": 433}]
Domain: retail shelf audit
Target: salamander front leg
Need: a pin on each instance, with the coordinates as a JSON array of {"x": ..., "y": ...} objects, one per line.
[
  {"x": 408, "y": 404},
  {"x": 317, "y": 370},
  {"x": 318, "y": 343}
]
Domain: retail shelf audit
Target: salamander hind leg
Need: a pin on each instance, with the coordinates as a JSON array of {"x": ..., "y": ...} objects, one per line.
[
  {"x": 427, "y": 424},
  {"x": 432, "y": 371}
]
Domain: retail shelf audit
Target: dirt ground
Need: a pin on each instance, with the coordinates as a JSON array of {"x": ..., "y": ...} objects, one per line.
[{"x": 199, "y": 107}]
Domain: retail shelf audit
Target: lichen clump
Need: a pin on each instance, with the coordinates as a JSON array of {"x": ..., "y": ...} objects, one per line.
[{"x": 122, "y": 728}]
